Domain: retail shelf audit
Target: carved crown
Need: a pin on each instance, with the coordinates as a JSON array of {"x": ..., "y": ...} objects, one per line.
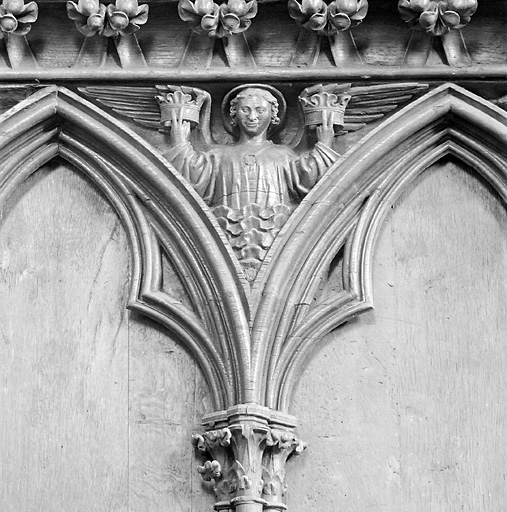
[
  {"x": 179, "y": 104},
  {"x": 317, "y": 104}
]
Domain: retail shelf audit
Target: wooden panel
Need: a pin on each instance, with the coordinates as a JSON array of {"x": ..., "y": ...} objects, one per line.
[
  {"x": 98, "y": 405},
  {"x": 406, "y": 407},
  {"x": 168, "y": 400},
  {"x": 451, "y": 333},
  {"x": 63, "y": 348}
]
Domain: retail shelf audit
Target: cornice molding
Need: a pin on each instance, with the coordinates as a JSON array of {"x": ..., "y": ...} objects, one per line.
[
  {"x": 496, "y": 72},
  {"x": 273, "y": 48}
]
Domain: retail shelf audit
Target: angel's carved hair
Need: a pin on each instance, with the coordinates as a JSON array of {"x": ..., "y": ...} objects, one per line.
[{"x": 255, "y": 91}]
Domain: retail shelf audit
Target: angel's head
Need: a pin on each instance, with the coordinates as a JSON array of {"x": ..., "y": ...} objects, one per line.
[{"x": 254, "y": 110}]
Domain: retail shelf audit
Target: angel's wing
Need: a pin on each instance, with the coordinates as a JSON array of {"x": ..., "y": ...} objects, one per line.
[
  {"x": 367, "y": 104},
  {"x": 140, "y": 104},
  {"x": 372, "y": 102},
  {"x": 136, "y": 103}
]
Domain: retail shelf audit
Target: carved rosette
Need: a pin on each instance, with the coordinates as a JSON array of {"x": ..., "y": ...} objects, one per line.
[
  {"x": 207, "y": 17},
  {"x": 16, "y": 20},
  {"x": 328, "y": 19},
  {"x": 16, "y": 17},
  {"x": 119, "y": 21},
  {"x": 246, "y": 458},
  {"x": 124, "y": 17},
  {"x": 437, "y": 17}
]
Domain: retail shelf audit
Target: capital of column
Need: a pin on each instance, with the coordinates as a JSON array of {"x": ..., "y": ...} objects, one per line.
[{"x": 245, "y": 450}]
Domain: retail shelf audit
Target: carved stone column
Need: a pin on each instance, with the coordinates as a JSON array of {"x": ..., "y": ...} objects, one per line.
[{"x": 246, "y": 448}]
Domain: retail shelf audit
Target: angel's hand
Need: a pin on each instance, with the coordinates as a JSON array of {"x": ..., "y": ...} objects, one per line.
[
  {"x": 325, "y": 131},
  {"x": 180, "y": 129}
]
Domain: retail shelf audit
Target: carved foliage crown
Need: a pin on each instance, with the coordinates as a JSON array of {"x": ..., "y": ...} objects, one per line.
[
  {"x": 179, "y": 102},
  {"x": 320, "y": 100}
]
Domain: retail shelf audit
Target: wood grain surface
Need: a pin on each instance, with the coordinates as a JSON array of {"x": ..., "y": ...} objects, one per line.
[
  {"x": 98, "y": 406},
  {"x": 406, "y": 407},
  {"x": 167, "y": 401},
  {"x": 64, "y": 426}
]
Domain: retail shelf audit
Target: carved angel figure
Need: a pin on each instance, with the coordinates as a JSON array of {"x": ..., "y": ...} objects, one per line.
[{"x": 253, "y": 185}]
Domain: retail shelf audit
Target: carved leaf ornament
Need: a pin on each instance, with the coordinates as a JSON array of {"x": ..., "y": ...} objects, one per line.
[
  {"x": 122, "y": 17},
  {"x": 328, "y": 19},
  {"x": 437, "y": 17},
  {"x": 125, "y": 17},
  {"x": 207, "y": 17},
  {"x": 16, "y": 17}
]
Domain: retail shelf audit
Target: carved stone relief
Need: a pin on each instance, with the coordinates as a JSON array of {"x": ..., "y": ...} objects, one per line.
[
  {"x": 246, "y": 459},
  {"x": 251, "y": 331},
  {"x": 253, "y": 185},
  {"x": 273, "y": 138}
]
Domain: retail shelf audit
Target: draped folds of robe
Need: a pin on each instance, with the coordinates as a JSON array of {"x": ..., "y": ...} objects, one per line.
[{"x": 252, "y": 188}]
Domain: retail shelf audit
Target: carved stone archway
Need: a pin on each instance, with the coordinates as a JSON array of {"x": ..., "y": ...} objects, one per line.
[
  {"x": 160, "y": 214},
  {"x": 252, "y": 369},
  {"x": 346, "y": 208}
]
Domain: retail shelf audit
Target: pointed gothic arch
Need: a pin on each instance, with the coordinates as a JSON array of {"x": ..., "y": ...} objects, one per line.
[
  {"x": 159, "y": 213},
  {"x": 345, "y": 211}
]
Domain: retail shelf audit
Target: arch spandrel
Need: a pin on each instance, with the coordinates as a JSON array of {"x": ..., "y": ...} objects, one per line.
[
  {"x": 156, "y": 208},
  {"x": 345, "y": 210},
  {"x": 251, "y": 369},
  {"x": 314, "y": 273}
]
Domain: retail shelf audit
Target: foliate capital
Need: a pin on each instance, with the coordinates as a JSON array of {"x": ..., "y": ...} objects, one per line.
[{"x": 246, "y": 459}]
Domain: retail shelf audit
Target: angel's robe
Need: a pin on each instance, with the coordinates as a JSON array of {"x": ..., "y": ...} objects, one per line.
[
  {"x": 265, "y": 174},
  {"x": 252, "y": 189}
]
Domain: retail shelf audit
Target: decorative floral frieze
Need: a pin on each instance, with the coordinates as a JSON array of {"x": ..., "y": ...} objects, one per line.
[
  {"x": 437, "y": 17},
  {"x": 123, "y": 17},
  {"x": 207, "y": 17},
  {"x": 328, "y": 19},
  {"x": 16, "y": 17}
]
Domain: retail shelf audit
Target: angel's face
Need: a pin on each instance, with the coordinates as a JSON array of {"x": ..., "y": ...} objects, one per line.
[{"x": 253, "y": 115}]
